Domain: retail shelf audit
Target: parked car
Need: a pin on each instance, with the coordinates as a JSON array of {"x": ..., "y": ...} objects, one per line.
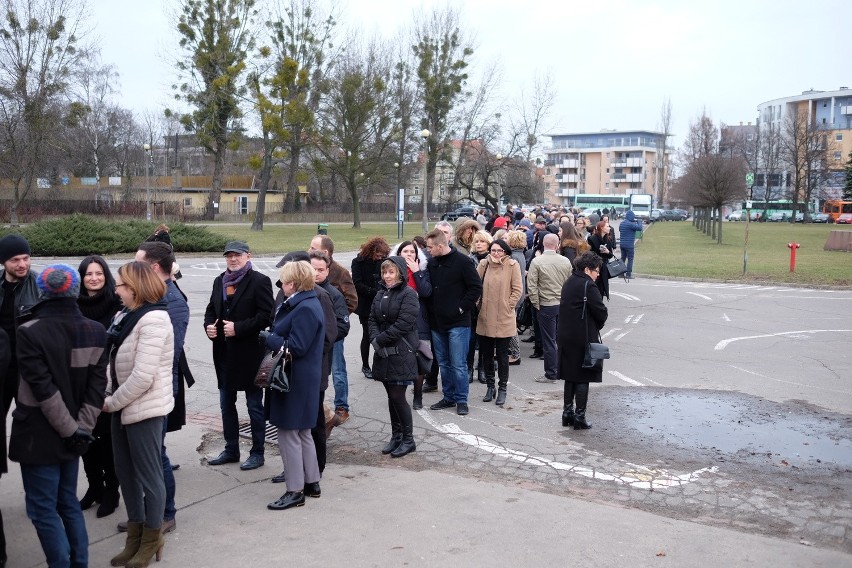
[
  {"x": 736, "y": 215},
  {"x": 844, "y": 219},
  {"x": 777, "y": 217},
  {"x": 656, "y": 215},
  {"x": 820, "y": 218},
  {"x": 672, "y": 215},
  {"x": 460, "y": 212},
  {"x": 683, "y": 212}
]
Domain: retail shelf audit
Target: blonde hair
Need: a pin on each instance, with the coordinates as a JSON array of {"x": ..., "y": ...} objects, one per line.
[
  {"x": 391, "y": 264},
  {"x": 481, "y": 236},
  {"x": 143, "y": 282},
  {"x": 299, "y": 273},
  {"x": 516, "y": 239}
]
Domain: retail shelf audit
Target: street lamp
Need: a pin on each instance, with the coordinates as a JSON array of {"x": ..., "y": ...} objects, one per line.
[
  {"x": 400, "y": 202},
  {"x": 425, "y": 135},
  {"x": 148, "y": 162}
]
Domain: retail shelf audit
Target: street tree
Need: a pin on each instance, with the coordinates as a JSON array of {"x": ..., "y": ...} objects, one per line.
[
  {"x": 303, "y": 50},
  {"x": 805, "y": 148},
  {"x": 356, "y": 120},
  {"x": 661, "y": 165},
  {"x": 847, "y": 179},
  {"x": 39, "y": 46},
  {"x": 443, "y": 54},
  {"x": 216, "y": 38},
  {"x": 714, "y": 181}
]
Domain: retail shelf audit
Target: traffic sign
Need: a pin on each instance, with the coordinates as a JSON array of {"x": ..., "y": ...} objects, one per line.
[{"x": 750, "y": 179}]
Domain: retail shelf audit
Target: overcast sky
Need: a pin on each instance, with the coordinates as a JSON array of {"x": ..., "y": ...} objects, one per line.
[{"x": 612, "y": 62}]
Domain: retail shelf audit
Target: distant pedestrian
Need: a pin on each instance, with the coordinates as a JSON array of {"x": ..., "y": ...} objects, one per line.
[{"x": 627, "y": 231}]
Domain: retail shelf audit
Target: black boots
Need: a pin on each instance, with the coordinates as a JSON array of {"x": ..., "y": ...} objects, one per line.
[
  {"x": 568, "y": 415},
  {"x": 501, "y": 396},
  {"x": 580, "y": 420},
  {"x": 396, "y": 438},
  {"x": 489, "y": 392},
  {"x": 93, "y": 495},
  {"x": 407, "y": 445},
  {"x": 417, "y": 403},
  {"x": 109, "y": 502}
]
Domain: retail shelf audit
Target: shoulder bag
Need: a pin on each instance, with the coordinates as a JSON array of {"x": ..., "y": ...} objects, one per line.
[
  {"x": 616, "y": 267},
  {"x": 274, "y": 370},
  {"x": 595, "y": 352},
  {"x": 424, "y": 361}
]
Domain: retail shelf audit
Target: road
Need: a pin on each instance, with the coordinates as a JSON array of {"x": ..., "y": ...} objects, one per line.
[{"x": 728, "y": 405}]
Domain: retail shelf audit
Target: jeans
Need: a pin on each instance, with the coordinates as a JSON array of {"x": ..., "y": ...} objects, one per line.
[
  {"x": 231, "y": 420},
  {"x": 168, "y": 477},
  {"x": 52, "y": 506},
  {"x": 627, "y": 257},
  {"x": 548, "y": 317},
  {"x": 451, "y": 352},
  {"x": 339, "y": 377}
]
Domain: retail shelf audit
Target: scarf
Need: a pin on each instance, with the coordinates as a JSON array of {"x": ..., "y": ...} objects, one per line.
[
  {"x": 122, "y": 325},
  {"x": 231, "y": 279},
  {"x": 411, "y": 282}
]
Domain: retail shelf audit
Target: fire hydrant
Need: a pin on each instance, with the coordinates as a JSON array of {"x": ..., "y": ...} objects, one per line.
[{"x": 793, "y": 247}]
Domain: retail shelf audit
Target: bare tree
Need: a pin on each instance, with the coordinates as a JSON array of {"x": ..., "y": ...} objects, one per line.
[
  {"x": 701, "y": 140},
  {"x": 805, "y": 148},
  {"x": 661, "y": 161},
  {"x": 714, "y": 181},
  {"x": 38, "y": 53}
]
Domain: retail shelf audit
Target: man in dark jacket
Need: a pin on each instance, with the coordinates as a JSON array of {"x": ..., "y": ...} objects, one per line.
[
  {"x": 458, "y": 286},
  {"x": 240, "y": 307},
  {"x": 62, "y": 361},
  {"x": 627, "y": 230}
]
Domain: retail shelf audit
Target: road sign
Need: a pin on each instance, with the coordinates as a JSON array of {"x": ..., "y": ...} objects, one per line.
[{"x": 750, "y": 179}]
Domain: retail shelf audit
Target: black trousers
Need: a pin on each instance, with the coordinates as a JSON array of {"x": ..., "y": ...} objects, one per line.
[
  {"x": 578, "y": 392},
  {"x": 318, "y": 433}
]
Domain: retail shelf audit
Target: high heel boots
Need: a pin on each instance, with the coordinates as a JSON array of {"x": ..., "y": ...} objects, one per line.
[
  {"x": 151, "y": 546},
  {"x": 489, "y": 392},
  {"x": 109, "y": 501},
  {"x": 417, "y": 403},
  {"x": 93, "y": 495},
  {"x": 568, "y": 415},
  {"x": 131, "y": 545},
  {"x": 580, "y": 420}
]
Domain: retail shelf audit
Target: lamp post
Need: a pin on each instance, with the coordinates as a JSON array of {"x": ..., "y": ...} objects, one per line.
[
  {"x": 400, "y": 202},
  {"x": 425, "y": 135},
  {"x": 149, "y": 159}
]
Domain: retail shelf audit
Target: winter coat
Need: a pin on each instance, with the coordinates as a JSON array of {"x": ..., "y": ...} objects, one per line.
[
  {"x": 300, "y": 326},
  {"x": 342, "y": 280},
  {"x": 62, "y": 362},
  {"x": 341, "y": 312},
  {"x": 547, "y": 273},
  {"x": 237, "y": 358},
  {"x": 603, "y": 278},
  {"x": 571, "y": 330},
  {"x": 627, "y": 230},
  {"x": 393, "y": 317},
  {"x": 26, "y": 292},
  {"x": 456, "y": 287},
  {"x": 366, "y": 274},
  {"x": 100, "y": 307},
  {"x": 502, "y": 288},
  {"x": 143, "y": 370}
]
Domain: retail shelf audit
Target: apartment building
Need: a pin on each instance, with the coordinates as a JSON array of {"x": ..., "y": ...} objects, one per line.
[
  {"x": 830, "y": 111},
  {"x": 609, "y": 162}
]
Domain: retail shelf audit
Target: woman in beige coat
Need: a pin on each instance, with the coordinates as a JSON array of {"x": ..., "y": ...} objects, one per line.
[
  {"x": 502, "y": 288},
  {"x": 141, "y": 350}
]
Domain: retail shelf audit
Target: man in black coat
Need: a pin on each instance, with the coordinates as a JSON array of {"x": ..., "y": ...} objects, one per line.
[
  {"x": 458, "y": 286},
  {"x": 62, "y": 361},
  {"x": 240, "y": 307}
]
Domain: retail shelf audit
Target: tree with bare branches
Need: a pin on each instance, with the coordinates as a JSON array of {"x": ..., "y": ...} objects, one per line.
[{"x": 805, "y": 148}]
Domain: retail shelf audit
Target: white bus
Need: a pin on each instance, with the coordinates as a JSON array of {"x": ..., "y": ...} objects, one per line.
[{"x": 641, "y": 205}]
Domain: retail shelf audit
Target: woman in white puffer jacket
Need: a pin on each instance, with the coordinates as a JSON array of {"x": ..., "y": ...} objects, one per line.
[{"x": 141, "y": 350}]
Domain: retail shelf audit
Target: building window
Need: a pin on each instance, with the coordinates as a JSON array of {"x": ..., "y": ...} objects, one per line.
[
  {"x": 837, "y": 156},
  {"x": 607, "y": 170},
  {"x": 839, "y": 137},
  {"x": 606, "y": 185},
  {"x": 547, "y": 171},
  {"x": 187, "y": 202}
]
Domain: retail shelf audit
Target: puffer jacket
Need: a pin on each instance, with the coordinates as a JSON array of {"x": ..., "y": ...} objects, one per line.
[
  {"x": 502, "y": 288},
  {"x": 143, "y": 367},
  {"x": 627, "y": 230},
  {"x": 393, "y": 317}
]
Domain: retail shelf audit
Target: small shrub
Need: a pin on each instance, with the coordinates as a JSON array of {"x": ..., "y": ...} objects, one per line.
[{"x": 81, "y": 235}]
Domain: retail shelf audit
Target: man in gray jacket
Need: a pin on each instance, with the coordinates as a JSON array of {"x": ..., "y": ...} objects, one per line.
[{"x": 545, "y": 277}]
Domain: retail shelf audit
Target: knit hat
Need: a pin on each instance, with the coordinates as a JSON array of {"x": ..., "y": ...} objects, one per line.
[
  {"x": 13, "y": 245},
  {"x": 58, "y": 281}
]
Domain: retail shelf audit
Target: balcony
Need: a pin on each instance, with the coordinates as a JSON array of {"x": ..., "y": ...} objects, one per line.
[
  {"x": 626, "y": 178},
  {"x": 635, "y": 162},
  {"x": 570, "y": 164},
  {"x": 567, "y": 178}
]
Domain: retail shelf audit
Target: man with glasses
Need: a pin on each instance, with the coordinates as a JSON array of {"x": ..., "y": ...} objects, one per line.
[
  {"x": 546, "y": 275},
  {"x": 240, "y": 307},
  {"x": 457, "y": 286}
]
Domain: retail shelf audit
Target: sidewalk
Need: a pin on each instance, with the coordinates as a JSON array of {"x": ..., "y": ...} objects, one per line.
[{"x": 389, "y": 516}]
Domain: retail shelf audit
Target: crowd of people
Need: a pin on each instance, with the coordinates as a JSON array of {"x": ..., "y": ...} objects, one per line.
[{"x": 96, "y": 366}]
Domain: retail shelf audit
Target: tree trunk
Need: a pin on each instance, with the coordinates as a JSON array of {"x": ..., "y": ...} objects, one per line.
[
  {"x": 215, "y": 194},
  {"x": 291, "y": 198},
  {"x": 263, "y": 186},
  {"x": 356, "y": 203}
]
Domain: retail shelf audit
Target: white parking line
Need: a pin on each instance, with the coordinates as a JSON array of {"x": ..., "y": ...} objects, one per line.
[
  {"x": 725, "y": 342},
  {"x": 625, "y": 296},
  {"x": 625, "y": 378},
  {"x": 725, "y": 317},
  {"x": 620, "y": 335},
  {"x": 701, "y": 296},
  {"x": 638, "y": 476},
  {"x": 610, "y": 332}
]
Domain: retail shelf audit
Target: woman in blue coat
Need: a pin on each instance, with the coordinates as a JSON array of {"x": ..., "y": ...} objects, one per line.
[
  {"x": 299, "y": 326},
  {"x": 393, "y": 335}
]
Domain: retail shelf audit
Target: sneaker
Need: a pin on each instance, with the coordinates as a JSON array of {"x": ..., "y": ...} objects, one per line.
[
  {"x": 461, "y": 409},
  {"x": 442, "y": 404},
  {"x": 544, "y": 379}
]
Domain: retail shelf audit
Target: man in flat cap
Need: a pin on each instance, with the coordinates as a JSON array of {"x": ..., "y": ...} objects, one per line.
[{"x": 240, "y": 307}]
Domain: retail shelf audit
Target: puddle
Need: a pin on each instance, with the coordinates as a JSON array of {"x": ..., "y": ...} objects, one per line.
[{"x": 733, "y": 423}]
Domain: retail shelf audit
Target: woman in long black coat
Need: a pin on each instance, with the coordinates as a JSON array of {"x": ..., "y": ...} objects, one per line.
[
  {"x": 393, "y": 334},
  {"x": 576, "y": 327},
  {"x": 601, "y": 244},
  {"x": 366, "y": 275}
]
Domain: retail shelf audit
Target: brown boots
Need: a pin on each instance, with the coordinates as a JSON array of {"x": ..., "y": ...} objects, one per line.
[{"x": 142, "y": 544}]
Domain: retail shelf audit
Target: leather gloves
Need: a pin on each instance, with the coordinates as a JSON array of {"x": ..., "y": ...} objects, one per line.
[
  {"x": 78, "y": 442},
  {"x": 261, "y": 337}
]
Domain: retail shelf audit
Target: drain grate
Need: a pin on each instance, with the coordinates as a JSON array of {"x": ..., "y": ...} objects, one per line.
[{"x": 271, "y": 432}]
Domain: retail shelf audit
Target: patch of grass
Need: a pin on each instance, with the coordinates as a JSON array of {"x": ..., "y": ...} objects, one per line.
[{"x": 678, "y": 249}]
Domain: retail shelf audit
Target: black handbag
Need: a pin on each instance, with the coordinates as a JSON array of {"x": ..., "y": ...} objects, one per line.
[
  {"x": 616, "y": 267},
  {"x": 595, "y": 352},
  {"x": 424, "y": 360},
  {"x": 274, "y": 371}
]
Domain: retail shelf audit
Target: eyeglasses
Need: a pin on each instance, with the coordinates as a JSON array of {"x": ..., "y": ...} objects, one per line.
[{"x": 498, "y": 251}]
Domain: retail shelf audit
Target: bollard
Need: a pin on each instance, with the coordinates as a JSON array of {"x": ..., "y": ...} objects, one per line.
[{"x": 793, "y": 247}]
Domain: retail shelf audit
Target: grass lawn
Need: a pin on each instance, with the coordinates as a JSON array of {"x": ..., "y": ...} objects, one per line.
[
  {"x": 678, "y": 249},
  {"x": 667, "y": 249}
]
